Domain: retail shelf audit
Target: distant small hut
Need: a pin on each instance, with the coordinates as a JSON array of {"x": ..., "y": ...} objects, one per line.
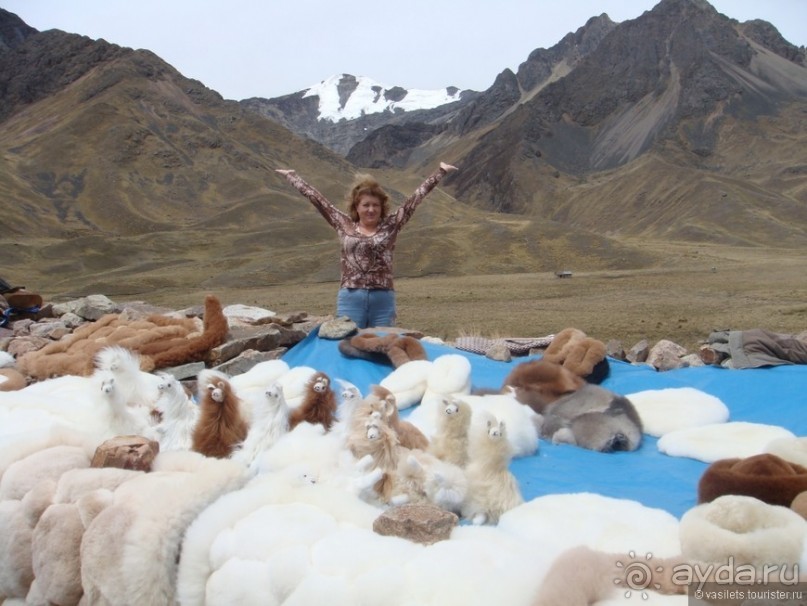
[{"x": 564, "y": 273}]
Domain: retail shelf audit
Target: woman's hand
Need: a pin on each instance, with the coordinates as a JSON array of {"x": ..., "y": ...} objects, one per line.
[
  {"x": 284, "y": 171},
  {"x": 447, "y": 167}
]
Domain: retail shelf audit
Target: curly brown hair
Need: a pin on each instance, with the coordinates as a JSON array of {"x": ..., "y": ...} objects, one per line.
[{"x": 363, "y": 185}]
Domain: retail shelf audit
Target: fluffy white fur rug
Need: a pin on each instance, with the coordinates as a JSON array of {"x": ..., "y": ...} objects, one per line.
[
  {"x": 709, "y": 443},
  {"x": 790, "y": 449},
  {"x": 130, "y": 551},
  {"x": 408, "y": 382},
  {"x": 282, "y": 541},
  {"x": 674, "y": 408}
]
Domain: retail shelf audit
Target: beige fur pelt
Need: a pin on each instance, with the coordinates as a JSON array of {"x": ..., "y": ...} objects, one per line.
[
  {"x": 581, "y": 576},
  {"x": 12, "y": 379},
  {"x": 161, "y": 342},
  {"x": 575, "y": 351},
  {"x": 392, "y": 348}
]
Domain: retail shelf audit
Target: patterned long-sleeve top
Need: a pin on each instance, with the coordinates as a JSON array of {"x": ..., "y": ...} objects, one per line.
[{"x": 366, "y": 261}]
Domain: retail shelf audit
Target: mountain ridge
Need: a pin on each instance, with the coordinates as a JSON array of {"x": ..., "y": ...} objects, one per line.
[{"x": 116, "y": 170}]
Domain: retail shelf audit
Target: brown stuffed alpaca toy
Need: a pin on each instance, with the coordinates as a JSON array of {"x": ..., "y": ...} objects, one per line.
[
  {"x": 766, "y": 477},
  {"x": 582, "y": 355},
  {"x": 392, "y": 348},
  {"x": 319, "y": 404},
  {"x": 538, "y": 383},
  {"x": 409, "y": 436},
  {"x": 220, "y": 427}
]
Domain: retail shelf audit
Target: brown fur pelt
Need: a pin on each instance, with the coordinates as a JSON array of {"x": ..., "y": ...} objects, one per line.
[
  {"x": 409, "y": 436},
  {"x": 161, "y": 341},
  {"x": 581, "y": 354},
  {"x": 392, "y": 348},
  {"x": 14, "y": 379},
  {"x": 220, "y": 427},
  {"x": 319, "y": 403},
  {"x": 538, "y": 383},
  {"x": 766, "y": 477},
  {"x": 581, "y": 576}
]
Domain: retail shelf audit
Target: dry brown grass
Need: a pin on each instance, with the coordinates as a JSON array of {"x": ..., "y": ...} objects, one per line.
[{"x": 698, "y": 290}]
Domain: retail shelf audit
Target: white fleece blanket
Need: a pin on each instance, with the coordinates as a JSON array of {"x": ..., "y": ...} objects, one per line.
[
  {"x": 674, "y": 408},
  {"x": 282, "y": 541},
  {"x": 709, "y": 443}
]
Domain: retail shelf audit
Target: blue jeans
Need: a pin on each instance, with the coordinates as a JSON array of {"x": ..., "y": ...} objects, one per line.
[{"x": 367, "y": 307}]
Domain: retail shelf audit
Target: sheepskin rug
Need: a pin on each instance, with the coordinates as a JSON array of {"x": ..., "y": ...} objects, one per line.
[
  {"x": 130, "y": 551},
  {"x": 710, "y": 443},
  {"x": 665, "y": 410},
  {"x": 284, "y": 540},
  {"x": 789, "y": 449}
]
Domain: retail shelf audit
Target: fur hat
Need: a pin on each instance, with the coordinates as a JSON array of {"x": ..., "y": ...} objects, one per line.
[
  {"x": 744, "y": 529},
  {"x": 766, "y": 477},
  {"x": 391, "y": 348},
  {"x": 582, "y": 355}
]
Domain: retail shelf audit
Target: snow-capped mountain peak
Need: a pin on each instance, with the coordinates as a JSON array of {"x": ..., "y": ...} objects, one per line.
[{"x": 349, "y": 97}]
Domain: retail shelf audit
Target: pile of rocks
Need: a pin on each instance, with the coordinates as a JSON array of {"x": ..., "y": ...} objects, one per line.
[{"x": 255, "y": 334}]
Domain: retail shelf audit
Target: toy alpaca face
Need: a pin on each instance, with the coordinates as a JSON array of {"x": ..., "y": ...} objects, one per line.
[
  {"x": 373, "y": 431},
  {"x": 108, "y": 385},
  {"x": 216, "y": 391},
  {"x": 321, "y": 384},
  {"x": 450, "y": 408},
  {"x": 274, "y": 391},
  {"x": 350, "y": 393},
  {"x": 166, "y": 385},
  {"x": 495, "y": 430}
]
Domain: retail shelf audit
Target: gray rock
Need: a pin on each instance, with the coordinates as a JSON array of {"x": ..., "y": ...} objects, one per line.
[
  {"x": 247, "y": 359},
  {"x": 20, "y": 346},
  {"x": 91, "y": 307},
  {"x": 692, "y": 359},
  {"x": 126, "y": 452},
  {"x": 499, "y": 352},
  {"x": 263, "y": 338},
  {"x": 247, "y": 315},
  {"x": 185, "y": 371},
  {"x": 419, "y": 522},
  {"x": 614, "y": 349},
  {"x": 53, "y": 330},
  {"x": 666, "y": 355},
  {"x": 338, "y": 328},
  {"x": 71, "y": 320},
  {"x": 638, "y": 353}
]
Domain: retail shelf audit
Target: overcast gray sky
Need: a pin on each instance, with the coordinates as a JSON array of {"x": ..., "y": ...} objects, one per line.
[{"x": 269, "y": 48}]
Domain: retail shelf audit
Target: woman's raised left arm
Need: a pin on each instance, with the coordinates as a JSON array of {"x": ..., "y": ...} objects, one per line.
[{"x": 411, "y": 203}]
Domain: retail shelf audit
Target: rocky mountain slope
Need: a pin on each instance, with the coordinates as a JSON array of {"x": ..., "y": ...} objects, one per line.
[
  {"x": 119, "y": 175},
  {"x": 680, "y": 124}
]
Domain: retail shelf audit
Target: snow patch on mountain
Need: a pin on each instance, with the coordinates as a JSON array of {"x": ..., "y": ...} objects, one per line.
[{"x": 369, "y": 97}]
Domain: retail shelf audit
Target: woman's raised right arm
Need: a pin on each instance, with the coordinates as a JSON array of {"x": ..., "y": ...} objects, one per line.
[{"x": 332, "y": 215}]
